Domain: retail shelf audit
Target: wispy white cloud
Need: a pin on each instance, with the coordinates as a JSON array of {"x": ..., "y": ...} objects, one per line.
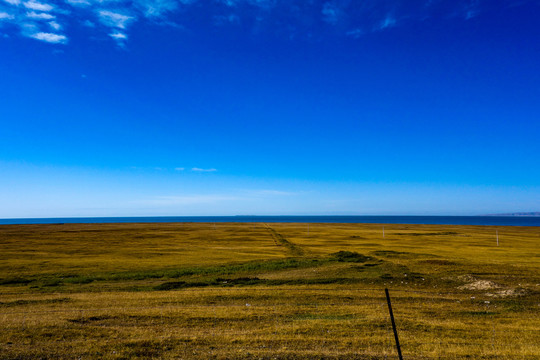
[
  {"x": 156, "y": 8},
  {"x": 203, "y": 170},
  {"x": 331, "y": 12},
  {"x": 273, "y": 193},
  {"x": 179, "y": 169},
  {"x": 34, "y": 5},
  {"x": 121, "y": 39},
  {"x": 35, "y": 20},
  {"x": 122, "y": 36},
  {"x": 387, "y": 22},
  {"x": 114, "y": 19},
  {"x": 39, "y": 16},
  {"x": 13, "y": 2},
  {"x": 49, "y": 37},
  {"x": 54, "y": 25},
  {"x": 4, "y": 15}
]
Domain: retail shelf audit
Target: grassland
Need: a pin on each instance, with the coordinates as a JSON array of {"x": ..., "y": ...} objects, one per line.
[{"x": 268, "y": 291}]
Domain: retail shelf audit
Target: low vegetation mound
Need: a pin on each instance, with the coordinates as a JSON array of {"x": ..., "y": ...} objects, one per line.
[
  {"x": 171, "y": 285},
  {"x": 350, "y": 256}
]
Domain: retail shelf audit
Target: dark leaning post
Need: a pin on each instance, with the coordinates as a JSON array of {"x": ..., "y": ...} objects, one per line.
[{"x": 393, "y": 324}]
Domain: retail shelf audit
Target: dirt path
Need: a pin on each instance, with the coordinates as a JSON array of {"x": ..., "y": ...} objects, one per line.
[{"x": 280, "y": 240}]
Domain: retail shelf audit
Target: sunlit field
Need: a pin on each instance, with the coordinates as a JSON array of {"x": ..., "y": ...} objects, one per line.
[{"x": 268, "y": 291}]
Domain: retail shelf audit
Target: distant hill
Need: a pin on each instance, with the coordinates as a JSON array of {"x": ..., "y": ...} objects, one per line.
[{"x": 533, "y": 213}]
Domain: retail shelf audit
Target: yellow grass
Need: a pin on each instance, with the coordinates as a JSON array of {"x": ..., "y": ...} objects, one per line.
[{"x": 270, "y": 291}]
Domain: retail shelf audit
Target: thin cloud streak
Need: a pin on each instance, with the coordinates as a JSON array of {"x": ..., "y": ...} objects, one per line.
[
  {"x": 50, "y": 37},
  {"x": 34, "y": 5},
  {"x": 39, "y": 16},
  {"x": 203, "y": 170},
  {"x": 118, "y": 36},
  {"x": 273, "y": 193}
]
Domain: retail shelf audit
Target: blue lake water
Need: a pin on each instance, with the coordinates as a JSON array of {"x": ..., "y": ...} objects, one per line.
[{"x": 436, "y": 220}]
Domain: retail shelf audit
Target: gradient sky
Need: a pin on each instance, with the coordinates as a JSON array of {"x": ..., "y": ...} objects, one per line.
[{"x": 225, "y": 107}]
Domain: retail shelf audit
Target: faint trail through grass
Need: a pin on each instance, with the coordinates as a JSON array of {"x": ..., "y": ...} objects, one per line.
[{"x": 280, "y": 240}]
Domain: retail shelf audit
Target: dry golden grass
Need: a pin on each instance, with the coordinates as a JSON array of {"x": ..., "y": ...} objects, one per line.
[{"x": 270, "y": 291}]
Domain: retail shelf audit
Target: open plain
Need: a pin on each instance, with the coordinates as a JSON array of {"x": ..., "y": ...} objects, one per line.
[{"x": 268, "y": 291}]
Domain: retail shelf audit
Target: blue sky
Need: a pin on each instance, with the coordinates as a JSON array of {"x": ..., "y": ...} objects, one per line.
[{"x": 224, "y": 107}]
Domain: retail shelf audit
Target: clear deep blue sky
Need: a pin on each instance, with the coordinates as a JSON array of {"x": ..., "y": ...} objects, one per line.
[{"x": 224, "y": 107}]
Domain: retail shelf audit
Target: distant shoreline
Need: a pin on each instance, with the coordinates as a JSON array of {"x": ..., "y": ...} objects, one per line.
[
  {"x": 485, "y": 220},
  {"x": 529, "y": 214}
]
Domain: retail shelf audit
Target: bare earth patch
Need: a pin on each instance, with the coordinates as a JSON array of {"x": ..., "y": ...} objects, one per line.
[
  {"x": 475, "y": 284},
  {"x": 479, "y": 285},
  {"x": 508, "y": 293},
  {"x": 466, "y": 278}
]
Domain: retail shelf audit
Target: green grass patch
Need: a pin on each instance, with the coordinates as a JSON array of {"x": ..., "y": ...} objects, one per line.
[{"x": 231, "y": 269}]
